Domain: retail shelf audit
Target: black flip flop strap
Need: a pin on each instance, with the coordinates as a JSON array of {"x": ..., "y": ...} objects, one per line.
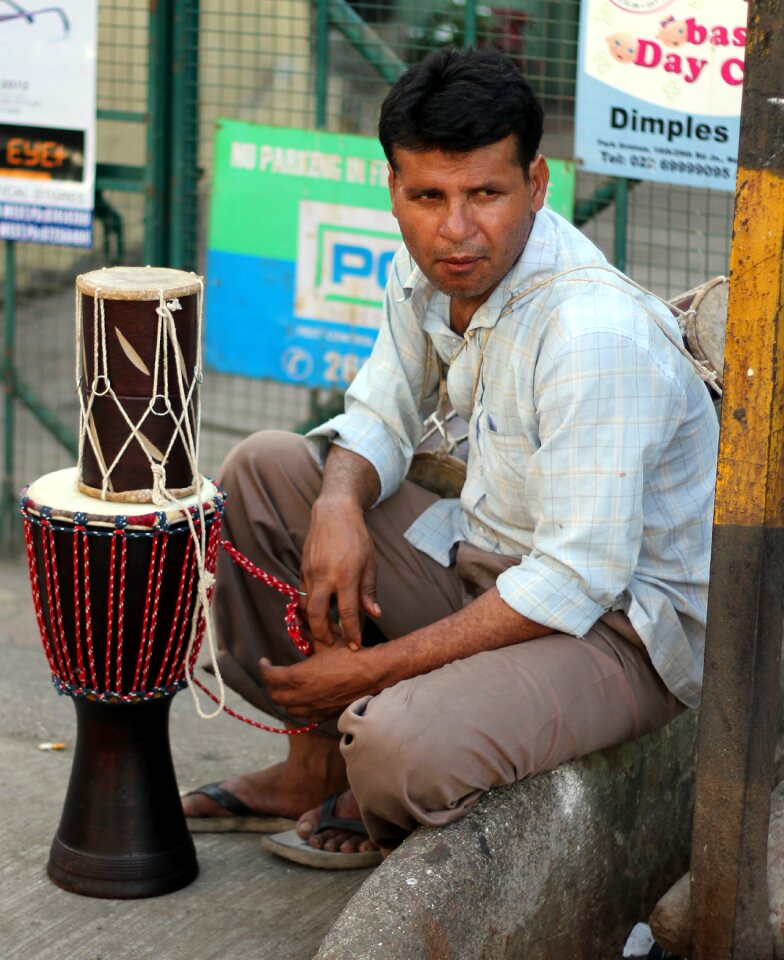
[
  {"x": 328, "y": 820},
  {"x": 226, "y": 799}
]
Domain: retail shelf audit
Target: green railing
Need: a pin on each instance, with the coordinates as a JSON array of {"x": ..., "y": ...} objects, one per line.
[{"x": 167, "y": 71}]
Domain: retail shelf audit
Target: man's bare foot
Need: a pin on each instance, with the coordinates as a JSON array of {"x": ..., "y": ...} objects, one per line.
[
  {"x": 334, "y": 839},
  {"x": 313, "y": 770}
]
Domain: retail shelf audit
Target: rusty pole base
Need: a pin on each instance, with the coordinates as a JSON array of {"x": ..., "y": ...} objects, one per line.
[{"x": 671, "y": 921}]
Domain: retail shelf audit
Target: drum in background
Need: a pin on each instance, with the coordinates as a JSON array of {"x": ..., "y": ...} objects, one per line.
[
  {"x": 138, "y": 374},
  {"x": 704, "y": 324},
  {"x": 116, "y": 599}
]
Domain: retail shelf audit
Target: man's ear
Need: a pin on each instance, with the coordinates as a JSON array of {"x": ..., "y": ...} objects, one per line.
[
  {"x": 391, "y": 186},
  {"x": 538, "y": 178}
]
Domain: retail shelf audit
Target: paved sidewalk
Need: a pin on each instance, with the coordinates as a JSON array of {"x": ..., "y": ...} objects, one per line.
[{"x": 245, "y": 904}]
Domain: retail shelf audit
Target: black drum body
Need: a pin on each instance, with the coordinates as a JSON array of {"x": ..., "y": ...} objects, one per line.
[{"x": 117, "y": 602}]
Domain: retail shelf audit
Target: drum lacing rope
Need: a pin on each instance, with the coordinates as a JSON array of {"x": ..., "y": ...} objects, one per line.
[
  {"x": 74, "y": 679},
  {"x": 166, "y": 334}
]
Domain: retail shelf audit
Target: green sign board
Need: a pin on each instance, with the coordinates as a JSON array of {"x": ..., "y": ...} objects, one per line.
[{"x": 300, "y": 242}]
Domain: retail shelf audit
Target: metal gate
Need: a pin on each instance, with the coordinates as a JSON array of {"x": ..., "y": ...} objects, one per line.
[{"x": 168, "y": 69}]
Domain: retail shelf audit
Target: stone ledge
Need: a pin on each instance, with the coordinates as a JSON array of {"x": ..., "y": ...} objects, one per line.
[{"x": 558, "y": 866}]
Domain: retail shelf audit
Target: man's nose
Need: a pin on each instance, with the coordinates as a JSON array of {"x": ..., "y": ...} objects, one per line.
[{"x": 457, "y": 222}]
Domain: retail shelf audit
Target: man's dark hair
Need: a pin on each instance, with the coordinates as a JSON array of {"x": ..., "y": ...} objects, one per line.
[{"x": 458, "y": 100}]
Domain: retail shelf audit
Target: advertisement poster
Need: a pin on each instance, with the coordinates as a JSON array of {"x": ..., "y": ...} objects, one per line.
[
  {"x": 47, "y": 121},
  {"x": 659, "y": 90},
  {"x": 300, "y": 243}
]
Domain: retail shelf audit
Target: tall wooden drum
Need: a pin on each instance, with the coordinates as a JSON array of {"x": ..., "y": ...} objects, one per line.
[{"x": 138, "y": 374}]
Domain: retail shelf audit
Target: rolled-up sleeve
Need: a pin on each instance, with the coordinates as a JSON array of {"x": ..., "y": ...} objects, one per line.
[
  {"x": 386, "y": 401},
  {"x": 538, "y": 590},
  {"x": 370, "y": 438}
]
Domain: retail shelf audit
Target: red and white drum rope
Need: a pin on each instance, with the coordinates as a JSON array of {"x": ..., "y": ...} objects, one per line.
[{"x": 292, "y": 621}]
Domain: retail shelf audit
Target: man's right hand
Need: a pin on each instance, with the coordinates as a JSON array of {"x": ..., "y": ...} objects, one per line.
[{"x": 338, "y": 557}]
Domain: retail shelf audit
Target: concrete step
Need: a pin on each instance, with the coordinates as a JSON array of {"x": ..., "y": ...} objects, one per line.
[{"x": 557, "y": 867}]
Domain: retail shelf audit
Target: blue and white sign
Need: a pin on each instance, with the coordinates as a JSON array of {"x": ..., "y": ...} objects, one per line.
[
  {"x": 47, "y": 121},
  {"x": 659, "y": 90},
  {"x": 300, "y": 244}
]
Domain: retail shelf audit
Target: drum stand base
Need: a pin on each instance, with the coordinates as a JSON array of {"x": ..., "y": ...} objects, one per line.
[{"x": 122, "y": 833}]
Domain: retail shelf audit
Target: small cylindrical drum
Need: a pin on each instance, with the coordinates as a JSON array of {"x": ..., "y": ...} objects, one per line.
[
  {"x": 121, "y": 617},
  {"x": 138, "y": 374},
  {"x": 705, "y": 326}
]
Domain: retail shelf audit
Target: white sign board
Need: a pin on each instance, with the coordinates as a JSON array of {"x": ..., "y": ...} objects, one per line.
[
  {"x": 659, "y": 89},
  {"x": 47, "y": 121}
]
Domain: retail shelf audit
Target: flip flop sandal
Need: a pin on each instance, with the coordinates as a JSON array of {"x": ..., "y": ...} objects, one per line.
[
  {"x": 290, "y": 846},
  {"x": 244, "y": 820}
]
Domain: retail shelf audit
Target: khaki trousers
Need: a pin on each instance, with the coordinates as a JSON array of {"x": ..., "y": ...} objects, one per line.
[{"x": 423, "y": 751}]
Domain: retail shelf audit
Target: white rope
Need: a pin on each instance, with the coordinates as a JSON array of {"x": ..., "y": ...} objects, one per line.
[{"x": 206, "y": 580}]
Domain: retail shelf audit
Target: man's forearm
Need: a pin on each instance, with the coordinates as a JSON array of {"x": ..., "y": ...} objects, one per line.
[
  {"x": 488, "y": 623},
  {"x": 349, "y": 477}
]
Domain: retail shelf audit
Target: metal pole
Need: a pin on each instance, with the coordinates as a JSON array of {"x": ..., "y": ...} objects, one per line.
[
  {"x": 9, "y": 425},
  {"x": 470, "y": 23},
  {"x": 322, "y": 62},
  {"x": 322, "y": 92},
  {"x": 621, "y": 222},
  {"x": 156, "y": 220},
  {"x": 183, "y": 147},
  {"x": 729, "y": 893}
]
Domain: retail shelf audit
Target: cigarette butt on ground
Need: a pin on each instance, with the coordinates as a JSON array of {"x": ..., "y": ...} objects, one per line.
[{"x": 52, "y": 745}]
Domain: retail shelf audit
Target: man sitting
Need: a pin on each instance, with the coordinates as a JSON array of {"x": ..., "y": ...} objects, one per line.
[{"x": 559, "y": 605}]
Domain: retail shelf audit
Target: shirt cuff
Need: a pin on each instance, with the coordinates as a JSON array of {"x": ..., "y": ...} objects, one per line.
[
  {"x": 546, "y": 593},
  {"x": 370, "y": 439}
]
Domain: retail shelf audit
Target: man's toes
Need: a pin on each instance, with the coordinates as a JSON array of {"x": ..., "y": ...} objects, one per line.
[
  {"x": 197, "y": 805},
  {"x": 334, "y": 840},
  {"x": 307, "y": 823},
  {"x": 356, "y": 843},
  {"x": 346, "y": 842},
  {"x": 326, "y": 840}
]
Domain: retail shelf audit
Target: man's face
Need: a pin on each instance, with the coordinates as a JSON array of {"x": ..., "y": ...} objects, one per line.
[{"x": 465, "y": 218}]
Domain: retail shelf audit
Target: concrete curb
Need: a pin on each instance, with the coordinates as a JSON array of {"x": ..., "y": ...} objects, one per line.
[{"x": 552, "y": 867}]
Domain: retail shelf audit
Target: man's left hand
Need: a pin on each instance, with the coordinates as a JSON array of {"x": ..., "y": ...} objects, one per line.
[{"x": 323, "y": 685}]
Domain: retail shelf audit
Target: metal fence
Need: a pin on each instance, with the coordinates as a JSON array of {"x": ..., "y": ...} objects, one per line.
[{"x": 168, "y": 70}]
